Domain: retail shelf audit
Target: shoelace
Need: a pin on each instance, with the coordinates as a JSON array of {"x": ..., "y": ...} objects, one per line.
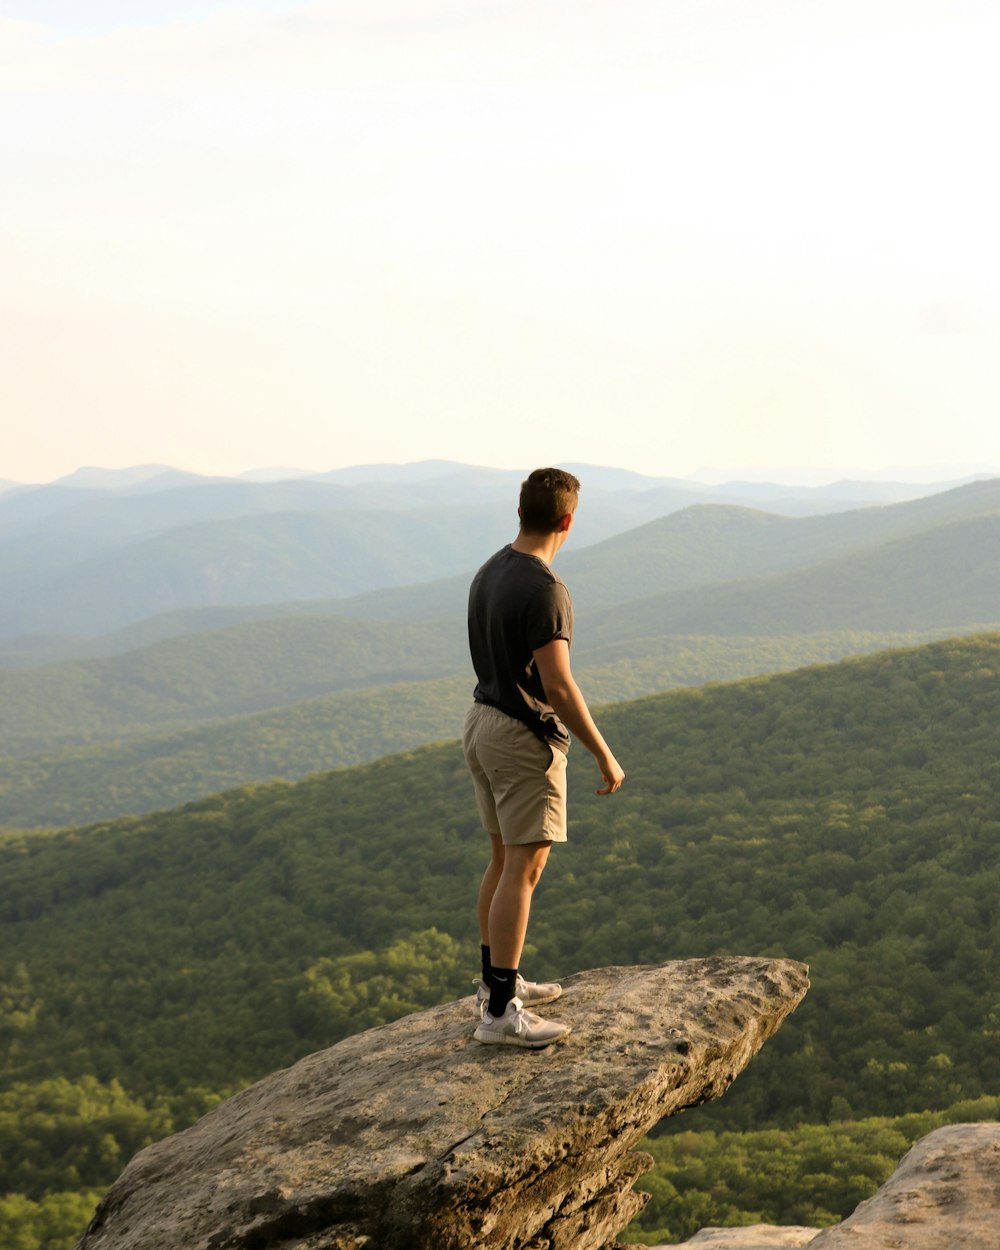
[{"x": 525, "y": 1019}]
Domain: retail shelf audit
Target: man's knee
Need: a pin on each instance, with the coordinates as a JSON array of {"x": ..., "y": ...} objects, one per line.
[{"x": 526, "y": 862}]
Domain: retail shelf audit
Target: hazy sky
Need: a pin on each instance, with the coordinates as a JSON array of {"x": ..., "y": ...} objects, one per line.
[{"x": 661, "y": 234}]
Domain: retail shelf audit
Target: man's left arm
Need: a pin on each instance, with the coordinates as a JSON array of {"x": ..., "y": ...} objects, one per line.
[{"x": 567, "y": 701}]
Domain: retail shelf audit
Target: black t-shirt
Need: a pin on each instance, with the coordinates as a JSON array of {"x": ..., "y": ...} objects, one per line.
[{"x": 516, "y": 605}]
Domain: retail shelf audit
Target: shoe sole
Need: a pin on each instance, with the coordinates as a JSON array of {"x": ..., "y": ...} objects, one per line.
[
  {"x": 540, "y": 1002},
  {"x": 511, "y": 1039}
]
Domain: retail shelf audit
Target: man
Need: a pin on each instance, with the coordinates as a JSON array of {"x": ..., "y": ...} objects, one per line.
[{"x": 516, "y": 736}]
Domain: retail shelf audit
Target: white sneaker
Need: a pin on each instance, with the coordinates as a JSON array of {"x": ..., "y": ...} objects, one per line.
[
  {"x": 531, "y": 993},
  {"x": 518, "y": 1027}
]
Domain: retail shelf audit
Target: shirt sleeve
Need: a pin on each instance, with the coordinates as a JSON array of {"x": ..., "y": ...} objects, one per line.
[{"x": 548, "y": 616}]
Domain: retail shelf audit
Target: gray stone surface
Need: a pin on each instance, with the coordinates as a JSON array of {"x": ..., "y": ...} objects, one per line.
[
  {"x": 945, "y": 1195},
  {"x": 751, "y": 1237},
  {"x": 415, "y": 1137}
]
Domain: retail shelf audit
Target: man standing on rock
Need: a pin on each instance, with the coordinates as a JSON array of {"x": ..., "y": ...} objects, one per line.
[{"x": 516, "y": 736}]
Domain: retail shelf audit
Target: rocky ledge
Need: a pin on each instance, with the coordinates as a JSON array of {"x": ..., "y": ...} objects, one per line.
[
  {"x": 751, "y": 1237},
  {"x": 945, "y": 1195},
  {"x": 415, "y": 1137}
]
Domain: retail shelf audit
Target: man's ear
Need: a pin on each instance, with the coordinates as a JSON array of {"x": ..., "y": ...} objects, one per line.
[{"x": 565, "y": 522}]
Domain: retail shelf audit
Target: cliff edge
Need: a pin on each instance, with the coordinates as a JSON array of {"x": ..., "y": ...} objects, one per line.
[{"x": 413, "y": 1136}]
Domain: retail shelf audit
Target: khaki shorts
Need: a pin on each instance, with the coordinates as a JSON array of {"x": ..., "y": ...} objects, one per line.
[{"x": 520, "y": 780}]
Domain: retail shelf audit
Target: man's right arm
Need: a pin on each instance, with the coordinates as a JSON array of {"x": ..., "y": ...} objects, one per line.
[{"x": 568, "y": 703}]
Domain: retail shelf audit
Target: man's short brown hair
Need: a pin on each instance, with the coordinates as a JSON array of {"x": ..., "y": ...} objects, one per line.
[{"x": 547, "y": 495}]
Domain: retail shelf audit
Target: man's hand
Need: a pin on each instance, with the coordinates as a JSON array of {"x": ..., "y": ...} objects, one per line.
[{"x": 613, "y": 775}]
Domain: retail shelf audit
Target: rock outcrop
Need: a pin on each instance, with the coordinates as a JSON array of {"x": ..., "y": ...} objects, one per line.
[
  {"x": 415, "y": 1137},
  {"x": 751, "y": 1237},
  {"x": 945, "y": 1195}
]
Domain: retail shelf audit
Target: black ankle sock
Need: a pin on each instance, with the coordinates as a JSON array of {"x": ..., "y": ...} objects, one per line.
[
  {"x": 487, "y": 966},
  {"x": 501, "y": 990}
]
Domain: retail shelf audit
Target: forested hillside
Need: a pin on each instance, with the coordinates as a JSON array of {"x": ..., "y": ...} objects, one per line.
[
  {"x": 845, "y": 815},
  {"x": 108, "y": 758},
  {"x": 181, "y": 681}
]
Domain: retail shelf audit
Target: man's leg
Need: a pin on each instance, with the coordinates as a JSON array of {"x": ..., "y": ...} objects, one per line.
[
  {"x": 507, "y": 921},
  {"x": 511, "y": 903},
  {"x": 488, "y": 885},
  {"x": 487, "y": 888}
]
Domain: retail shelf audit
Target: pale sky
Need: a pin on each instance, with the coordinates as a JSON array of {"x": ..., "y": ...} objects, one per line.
[{"x": 659, "y": 234}]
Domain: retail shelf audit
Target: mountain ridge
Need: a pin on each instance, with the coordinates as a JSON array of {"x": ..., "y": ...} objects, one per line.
[{"x": 82, "y": 568}]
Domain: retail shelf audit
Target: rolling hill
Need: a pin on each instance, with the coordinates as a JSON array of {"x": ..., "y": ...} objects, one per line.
[
  {"x": 259, "y": 559},
  {"x": 947, "y": 577},
  {"x": 703, "y": 545},
  {"x": 218, "y": 707},
  {"x": 181, "y": 681},
  {"x": 129, "y": 774},
  {"x": 80, "y": 560},
  {"x": 76, "y": 559},
  {"x": 711, "y": 544}
]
